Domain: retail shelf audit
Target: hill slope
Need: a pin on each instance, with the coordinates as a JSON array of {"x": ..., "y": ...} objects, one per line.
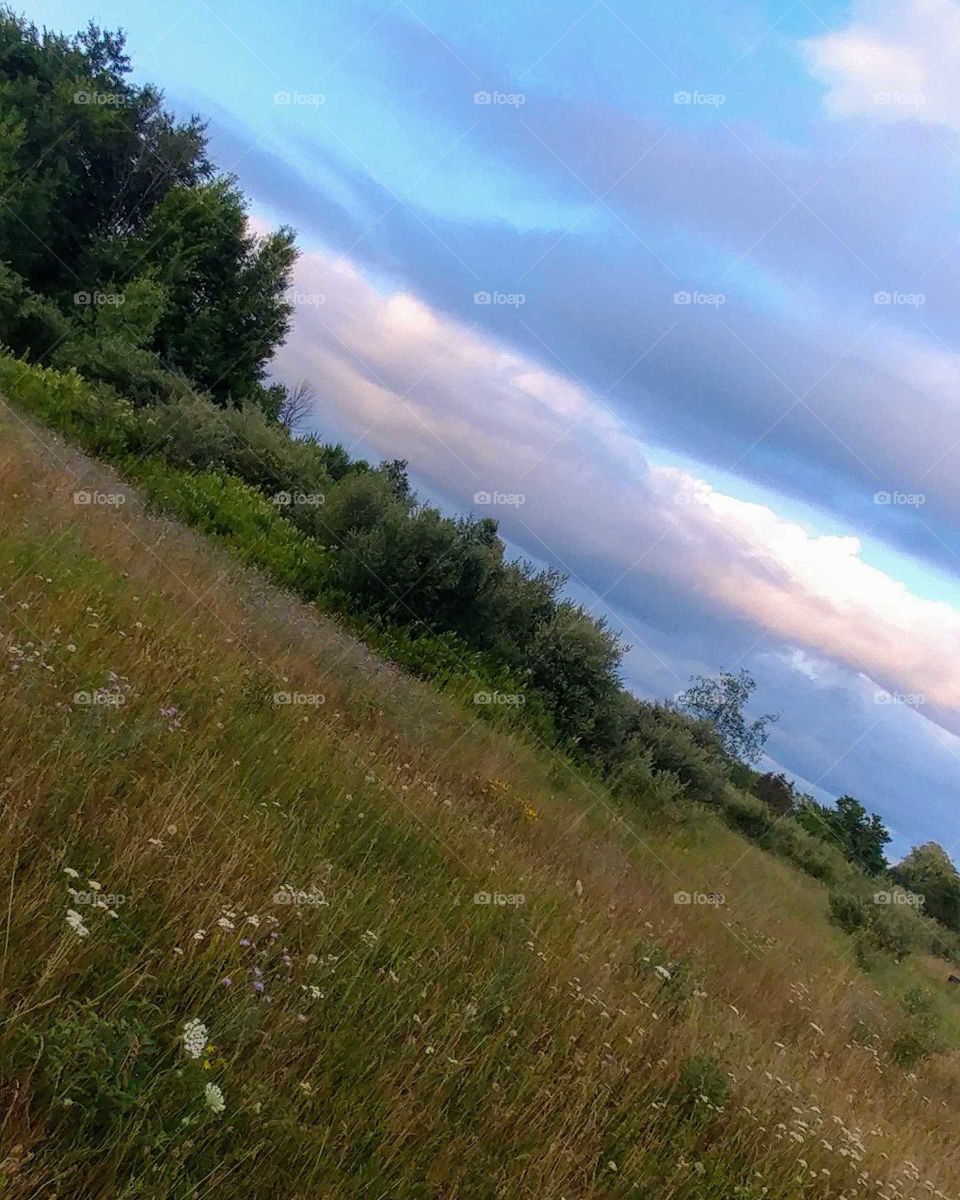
[{"x": 428, "y": 961}]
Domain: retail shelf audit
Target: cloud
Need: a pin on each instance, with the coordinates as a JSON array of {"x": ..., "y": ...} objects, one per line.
[
  {"x": 894, "y": 60},
  {"x": 473, "y": 415}
]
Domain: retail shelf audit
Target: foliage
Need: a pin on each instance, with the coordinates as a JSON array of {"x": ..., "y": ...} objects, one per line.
[
  {"x": 927, "y": 871},
  {"x": 861, "y": 836},
  {"x": 721, "y": 701}
]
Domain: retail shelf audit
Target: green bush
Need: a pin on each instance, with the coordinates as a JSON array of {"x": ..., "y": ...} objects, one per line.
[
  {"x": 921, "y": 1033},
  {"x": 848, "y": 911},
  {"x": 702, "y": 1087},
  {"x": 747, "y": 814}
]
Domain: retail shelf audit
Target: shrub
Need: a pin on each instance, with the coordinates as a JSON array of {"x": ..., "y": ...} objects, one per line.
[
  {"x": 921, "y": 1034},
  {"x": 848, "y": 911},
  {"x": 702, "y": 1087},
  {"x": 747, "y": 814}
]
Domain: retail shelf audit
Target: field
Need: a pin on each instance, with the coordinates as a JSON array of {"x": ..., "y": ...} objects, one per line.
[{"x": 426, "y": 958}]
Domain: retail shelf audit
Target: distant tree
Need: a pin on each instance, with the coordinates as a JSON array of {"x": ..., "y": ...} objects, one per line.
[
  {"x": 295, "y": 406},
  {"x": 396, "y": 472},
  {"x": 722, "y": 700},
  {"x": 776, "y": 791},
  {"x": 860, "y": 835},
  {"x": 927, "y": 871},
  {"x": 863, "y": 833}
]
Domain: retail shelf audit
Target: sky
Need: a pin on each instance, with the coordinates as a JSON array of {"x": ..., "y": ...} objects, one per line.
[{"x": 669, "y": 289}]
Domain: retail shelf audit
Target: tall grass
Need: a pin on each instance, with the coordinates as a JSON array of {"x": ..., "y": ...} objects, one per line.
[{"x": 430, "y": 961}]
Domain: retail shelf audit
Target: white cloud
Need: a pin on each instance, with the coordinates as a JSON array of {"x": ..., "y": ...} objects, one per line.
[
  {"x": 472, "y": 416},
  {"x": 896, "y": 59}
]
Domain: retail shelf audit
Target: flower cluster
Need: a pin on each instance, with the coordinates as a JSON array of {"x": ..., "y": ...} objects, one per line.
[{"x": 194, "y": 1038}]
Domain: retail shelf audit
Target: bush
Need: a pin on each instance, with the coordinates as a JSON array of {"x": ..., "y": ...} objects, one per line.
[
  {"x": 702, "y": 1088},
  {"x": 649, "y": 790},
  {"x": 848, "y": 911},
  {"x": 688, "y": 749},
  {"x": 921, "y": 1034},
  {"x": 747, "y": 814}
]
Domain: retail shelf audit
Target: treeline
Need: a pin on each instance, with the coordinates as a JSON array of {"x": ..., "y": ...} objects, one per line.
[{"x": 128, "y": 269}]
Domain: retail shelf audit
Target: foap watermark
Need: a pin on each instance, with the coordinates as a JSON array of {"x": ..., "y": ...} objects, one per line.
[
  {"x": 908, "y": 899},
  {"x": 99, "y": 499},
  {"x": 301, "y": 99},
  {"x": 506, "y": 299},
  {"x": 300, "y": 898},
  {"x": 700, "y": 299},
  {"x": 700, "y": 99},
  {"x": 510, "y": 499},
  {"x": 99, "y": 899},
  {"x": 500, "y": 99},
  {"x": 299, "y": 499},
  {"x": 506, "y": 699},
  {"x": 900, "y": 299},
  {"x": 500, "y": 899},
  {"x": 711, "y": 898},
  {"x": 900, "y": 99},
  {"x": 300, "y": 699},
  {"x": 904, "y": 499},
  {"x": 99, "y": 698},
  {"x": 909, "y": 699},
  {"x": 99, "y": 299},
  {"x": 102, "y": 99},
  {"x": 308, "y": 299}
]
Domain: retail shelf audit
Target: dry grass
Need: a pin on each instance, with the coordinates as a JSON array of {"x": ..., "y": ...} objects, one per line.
[{"x": 302, "y": 878}]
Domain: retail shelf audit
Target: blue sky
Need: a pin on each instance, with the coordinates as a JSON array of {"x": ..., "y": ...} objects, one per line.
[{"x": 713, "y": 475}]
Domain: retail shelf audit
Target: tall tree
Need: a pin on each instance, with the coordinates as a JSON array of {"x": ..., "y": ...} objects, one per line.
[
  {"x": 722, "y": 700},
  {"x": 928, "y": 871}
]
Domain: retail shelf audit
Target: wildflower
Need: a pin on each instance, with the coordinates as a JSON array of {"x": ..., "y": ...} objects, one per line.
[
  {"x": 194, "y": 1037},
  {"x": 662, "y": 972},
  {"x": 75, "y": 921},
  {"x": 214, "y": 1098},
  {"x": 93, "y": 883},
  {"x": 225, "y": 923},
  {"x": 71, "y": 872},
  {"x": 579, "y": 887},
  {"x": 227, "y": 981}
]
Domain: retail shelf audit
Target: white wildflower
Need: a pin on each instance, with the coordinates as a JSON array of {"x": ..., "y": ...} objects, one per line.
[
  {"x": 71, "y": 872},
  {"x": 194, "y": 1037},
  {"x": 75, "y": 921},
  {"x": 213, "y": 1096}
]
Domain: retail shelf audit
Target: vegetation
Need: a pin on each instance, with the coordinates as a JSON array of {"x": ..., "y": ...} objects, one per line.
[
  {"x": 285, "y": 921},
  {"x": 301, "y": 839}
]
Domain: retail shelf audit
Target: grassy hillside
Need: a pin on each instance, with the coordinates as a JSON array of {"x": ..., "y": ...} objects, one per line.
[{"x": 429, "y": 961}]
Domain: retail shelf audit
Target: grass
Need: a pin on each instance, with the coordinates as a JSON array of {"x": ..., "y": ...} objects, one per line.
[{"x": 308, "y": 880}]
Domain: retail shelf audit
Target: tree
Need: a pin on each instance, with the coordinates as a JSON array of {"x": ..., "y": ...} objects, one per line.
[
  {"x": 295, "y": 406},
  {"x": 776, "y": 791},
  {"x": 84, "y": 154},
  {"x": 227, "y": 310},
  {"x": 927, "y": 871},
  {"x": 722, "y": 700},
  {"x": 860, "y": 836}
]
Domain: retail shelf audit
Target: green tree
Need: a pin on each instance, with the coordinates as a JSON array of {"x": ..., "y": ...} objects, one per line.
[
  {"x": 776, "y": 791},
  {"x": 927, "y": 871},
  {"x": 722, "y": 700},
  {"x": 84, "y": 153},
  {"x": 227, "y": 310},
  {"x": 860, "y": 835}
]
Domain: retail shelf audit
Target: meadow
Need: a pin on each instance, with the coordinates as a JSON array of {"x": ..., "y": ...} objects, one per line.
[{"x": 279, "y": 918}]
